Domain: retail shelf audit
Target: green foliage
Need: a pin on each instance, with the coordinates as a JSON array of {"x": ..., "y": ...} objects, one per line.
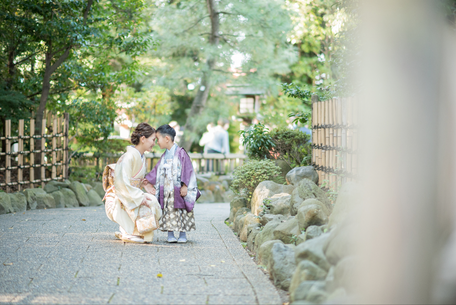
[
  {"x": 291, "y": 146},
  {"x": 88, "y": 52},
  {"x": 84, "y": 174},
  {"x": 14, "y": 105},
  {"x": 247, "y": 177},
  {"x": 257, "y": 141},
  {"x": 152, "y": 105},
  {"x": 293, "y": 239}
]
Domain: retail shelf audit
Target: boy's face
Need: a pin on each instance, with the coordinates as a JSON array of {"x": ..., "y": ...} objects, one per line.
[{"x": 162, "y": 141}]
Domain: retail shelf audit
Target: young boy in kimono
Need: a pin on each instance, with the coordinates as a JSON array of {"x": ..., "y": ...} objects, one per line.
[{"x": 174, "y": 183}]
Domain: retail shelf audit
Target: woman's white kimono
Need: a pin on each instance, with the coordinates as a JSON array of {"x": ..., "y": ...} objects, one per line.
[{"x": 124, "y": 201}]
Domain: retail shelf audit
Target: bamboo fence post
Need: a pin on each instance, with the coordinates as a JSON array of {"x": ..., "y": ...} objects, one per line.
[
  {"x": 339, "y": 139},
  {"x": 59, "y": 146},
  {"x": 43, "y": 153},
  {"x": 331, "y": 142},
  {"x": 20, "y": 156},
  {"x": 66, "y": 126},
  {"x": 320, "y": 139},
  {"x": 8, "y": 156},
  {"x": 32, "y": 154},
  {"x": 54, "y": 147}
]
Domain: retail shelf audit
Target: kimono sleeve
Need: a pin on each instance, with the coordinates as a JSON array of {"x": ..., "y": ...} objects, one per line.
[
  {"x": 187, "y": 167},
  {"x": 130, "y": 196}
]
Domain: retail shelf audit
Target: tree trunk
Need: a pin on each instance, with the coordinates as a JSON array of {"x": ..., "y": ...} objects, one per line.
[{"x": 199, "y": 102}]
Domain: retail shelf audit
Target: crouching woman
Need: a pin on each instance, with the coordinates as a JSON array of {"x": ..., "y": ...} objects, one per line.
[{"x": 137, "y": 212}]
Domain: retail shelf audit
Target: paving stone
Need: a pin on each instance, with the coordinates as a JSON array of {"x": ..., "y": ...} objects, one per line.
[{"x": 78, "y": 261}]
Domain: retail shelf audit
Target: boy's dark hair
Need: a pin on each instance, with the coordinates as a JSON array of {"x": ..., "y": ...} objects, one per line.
[{"x": 166, "y": 130}]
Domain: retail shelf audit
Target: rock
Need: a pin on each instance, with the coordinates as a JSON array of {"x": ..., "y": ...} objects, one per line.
[
  {"x": 330, "y": 282},
  {"x": 306, "y": 189},
  {"x": 98, "y": 187},
  {"x": 344, "y": 273},
  {"x": 282, "y": 264},
  {"x": 300, "y": 203},
  {"x": 59, "y": 199},
  {"x": 206, "y": 197},
  {"x": 94, "y": 198},
  {"x": 201, "y": 181},
  {"x": 287, "y": 230},
  {"x": 45, "y": 201},
  {"x": 279, "y": 204},
  {"x": 54, "y": 186},
  {"x": 312, "y": 232},
  {"x": 299, "y": 173},
  {"x": 301, "y": 238},
  {"x": 312, "y": 250},
  {"x": 226, "y": 178},
  {"x": 18, "y": 202},
  {"x": 235, "y": 204},
  {"x": 340, "y": 243},
  {"x": 218, "y": 194},
  {"x": 5, "y": 204},
  {"x": 80, "y": 192},
  {"x": 249, "y": 219},
  {"x": 347, "y": 201},
  {"x": 264, "y": 252},
  {"x": 267, "y": 189},
  {"x": 270, "y": 217},
  {"x": 31, "y": 194},
  {"x": 306, "y": 271},
  {"x": 70, "y": 198},
  {"x": 295, "y": 202},
  {"x": 338, "y": 296},
  {"x": 266, "y": 234},
  {"x": 252, "y": 231},
  {"x": 88, "y": 187},
  {"x": 225, "y": 186},
  {"x": 228, "y": 196},
  {"x": 301, "y": 292},
  {"x": 239, "y": 219},
  {"x": 284, "y": 167},
  {"x": 317, "y": 293},
  {"x": 311, "y": 215}
]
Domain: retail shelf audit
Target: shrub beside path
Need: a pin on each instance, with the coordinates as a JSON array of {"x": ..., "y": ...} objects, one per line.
[{"x": 71, "y": 256}]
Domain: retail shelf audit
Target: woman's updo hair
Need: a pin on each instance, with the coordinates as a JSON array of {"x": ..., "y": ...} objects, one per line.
[{"x": 143, "y": 129}]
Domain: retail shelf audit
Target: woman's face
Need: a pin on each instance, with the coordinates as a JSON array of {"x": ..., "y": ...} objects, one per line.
[{"x": 148, "y": 143}]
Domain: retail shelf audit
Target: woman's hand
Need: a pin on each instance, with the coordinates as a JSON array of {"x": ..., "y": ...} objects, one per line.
[
  {"x": 184, "y": 190},
  {"x": 148, "y": 187},
  {"x": 144, "y": 203}
]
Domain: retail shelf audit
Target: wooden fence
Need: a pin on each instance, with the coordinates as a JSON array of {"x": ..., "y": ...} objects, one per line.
[
  {"x": 334, "y": 141},
  {"x": 219, "y": 164},
  {"x": 22, "y": 165}
]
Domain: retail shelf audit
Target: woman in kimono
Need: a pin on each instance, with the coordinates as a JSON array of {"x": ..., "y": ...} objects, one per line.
[
  {"x": 136, "y": 212},
  {"x": 174, "y": 181}
]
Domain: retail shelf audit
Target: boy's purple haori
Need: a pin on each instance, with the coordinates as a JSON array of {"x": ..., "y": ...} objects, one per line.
[{"x": 187, "y": 171}]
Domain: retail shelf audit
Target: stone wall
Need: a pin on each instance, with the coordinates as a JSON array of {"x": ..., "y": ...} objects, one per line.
[
  {"x": 214, "y": 188},
  {"x": 55, "y": 194},
  {"x": 299, "y": 236}
]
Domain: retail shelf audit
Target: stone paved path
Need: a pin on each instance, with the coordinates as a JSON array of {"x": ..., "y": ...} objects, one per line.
[{"x": 71, "y": 256}]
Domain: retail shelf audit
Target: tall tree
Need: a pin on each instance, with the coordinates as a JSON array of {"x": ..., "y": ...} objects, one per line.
[{"x": 200, "y": 43}]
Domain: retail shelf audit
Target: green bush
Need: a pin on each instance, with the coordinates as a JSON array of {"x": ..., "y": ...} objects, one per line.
[
  {"x": 291, "y": 146},
  {"x": 247, "y": 177},
  {"x": 257, "y": 141}
]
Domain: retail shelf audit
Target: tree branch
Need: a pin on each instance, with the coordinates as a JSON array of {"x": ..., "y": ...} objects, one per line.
[
  {"x": 61, "y": 59},
  {"x": 25, "y": 59},
  {"x": 198, "y": 21}
]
